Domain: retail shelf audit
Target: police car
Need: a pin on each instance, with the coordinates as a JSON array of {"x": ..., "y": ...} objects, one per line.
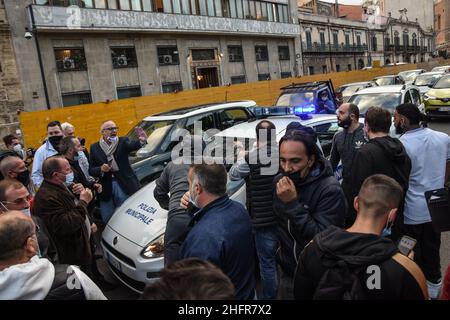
[
  {"x": 149, "y": 161},
  {"x": 133, "y": 240}
]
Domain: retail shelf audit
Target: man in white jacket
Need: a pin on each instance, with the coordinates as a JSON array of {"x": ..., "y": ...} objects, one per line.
[{"x": 25, "y": 276}]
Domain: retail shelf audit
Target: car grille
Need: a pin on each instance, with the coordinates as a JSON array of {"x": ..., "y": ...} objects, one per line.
[
  {"x": 136, "y": 285},
  {"x": 119, "y": 255}
]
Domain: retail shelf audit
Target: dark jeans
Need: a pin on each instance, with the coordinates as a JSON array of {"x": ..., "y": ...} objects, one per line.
[
  {"x": 176, "y": 231},
  {"x": 426, "y": 251},
  {"x": 266, "y": 242}
]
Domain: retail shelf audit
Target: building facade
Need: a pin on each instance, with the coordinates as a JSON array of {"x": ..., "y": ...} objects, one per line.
[
  {"x": 442, "y": 26},
  {"x": 104, "y": 50},
  {"x": 332, "y": 44},
  {"x": 11, "y": 101}
]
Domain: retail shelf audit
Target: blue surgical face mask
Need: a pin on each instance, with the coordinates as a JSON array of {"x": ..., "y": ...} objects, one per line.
[
  {"x": 76, "y": 158},
  {"x": 69, "y": 179},
  {"x": 26, "y": 212},
  {"x": 387, "y": 231}
]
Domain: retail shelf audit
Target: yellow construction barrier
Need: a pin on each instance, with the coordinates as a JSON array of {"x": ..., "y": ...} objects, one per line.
[{"x": 88, "y": 118}]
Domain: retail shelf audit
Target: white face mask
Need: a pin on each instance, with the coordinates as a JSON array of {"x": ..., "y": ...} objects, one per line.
[
  {"x": 18, "y": 148},
  {"x": 192, "y": 200},
  {"x": 113, "y": 139}
]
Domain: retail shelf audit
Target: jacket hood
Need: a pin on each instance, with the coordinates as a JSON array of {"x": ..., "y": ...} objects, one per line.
[
  {"x": 27, "y": 281},
  {"x": 321, "y": 169},
  {"x": 392, "y": 148},
  {"x": 354, "y": 248}
]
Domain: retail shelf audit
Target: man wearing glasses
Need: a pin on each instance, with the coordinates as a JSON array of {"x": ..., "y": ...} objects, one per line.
[
  {"x": 15, "y": 196},
  {"x": 109, "y": 162}
]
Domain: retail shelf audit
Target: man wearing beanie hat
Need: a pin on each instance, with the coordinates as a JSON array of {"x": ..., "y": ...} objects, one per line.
[{"x": 429, "y": 151}]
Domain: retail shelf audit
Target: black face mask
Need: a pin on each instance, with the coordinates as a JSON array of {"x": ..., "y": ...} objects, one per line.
[
  {"x": 24, "y": 177},
  {"x": 345, "y": 123},
  {"x": 55, "y": 140}
]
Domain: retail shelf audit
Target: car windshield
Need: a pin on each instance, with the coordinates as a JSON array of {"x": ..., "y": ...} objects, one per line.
[
  {"x": 384, "y": 81},
  {"x": 350, "y": 90},
  {"x": 155, "y": 130},
  {"x": 425, "y": 80},
  {"x": 295, "y": 99},
  {"x": 386, "y": 100},
  {"x": 443, "y": 83}
]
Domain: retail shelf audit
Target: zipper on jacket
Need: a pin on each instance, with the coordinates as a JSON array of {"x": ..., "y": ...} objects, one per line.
[{"x": 295, "y": 242}]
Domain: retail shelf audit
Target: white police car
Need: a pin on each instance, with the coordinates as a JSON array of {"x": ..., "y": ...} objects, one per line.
[{"x": 133, "y": 240}]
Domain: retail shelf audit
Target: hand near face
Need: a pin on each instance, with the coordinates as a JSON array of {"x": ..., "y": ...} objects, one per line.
[
  {"x": 184, "y": 202},
  {"x": 286, "y": 191}
]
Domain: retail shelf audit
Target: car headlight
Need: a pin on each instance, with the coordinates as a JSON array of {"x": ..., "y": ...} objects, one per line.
[
  {"x": 427, "y": 96},
  {"x": 154, "y": 249}
]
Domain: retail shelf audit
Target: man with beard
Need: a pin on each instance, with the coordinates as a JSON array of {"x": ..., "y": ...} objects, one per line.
[
  {"x": 13, "y": 167},
  {"x": 48, "y": 149},
  {"x": 307, "y": 200},
  {"x": 347, "y": 142},
  {"x": 429, "y": 151}
]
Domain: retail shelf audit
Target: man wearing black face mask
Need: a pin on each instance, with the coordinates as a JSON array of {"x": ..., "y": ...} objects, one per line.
[
  {"x": 48, "y": 149},
  {"x": 307, "y": 200},
  {"x": 13, "y": 167},
  {"x": 347, "y": 142}
]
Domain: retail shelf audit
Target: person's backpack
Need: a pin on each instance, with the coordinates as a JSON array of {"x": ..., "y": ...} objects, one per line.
[{"x": 340, "y": 282}]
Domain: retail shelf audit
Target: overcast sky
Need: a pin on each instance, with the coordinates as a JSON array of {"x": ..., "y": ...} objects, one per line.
[{"x": 345, "y": 1}]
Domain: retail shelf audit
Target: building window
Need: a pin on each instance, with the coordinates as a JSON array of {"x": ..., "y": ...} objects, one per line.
[
  {"x": 123, "y": 57},
  {"x": 76, "y": 98},
  {"x": 168, "y": 55},
  {"x": 322, "y": 38},
  {"x": 358, "y": 40},
  {"x": 70, "y": 60},
  {"x": 283, "y": 53},
  {"x": 286, "y": 75},
  {"x": 158, "y": 6},
  {"x": 335, "y": 39},
  {"x": 175, "y": 86},
  {"x": 125, "y": 4},
  {"x": 261, "y": 53},
  {"x": 263, "y": 76},
  {"x": 235, "y": 54},
  {"x": 347, "y": 39},
  {"x": 203, "y": 54},
  {"x": 311, "y": 70},
  {"x": 308, "y": 40},
  {"x": 349, "y": 67},
  {"x": 238, "y": 79},
  {"x": 324, "y": 69},
  {"x": 128, "y": 92},
  {"x": 374, "y": 43},
  {"x": 406, "y": 40},
  {"x": 338, "y": 68}
]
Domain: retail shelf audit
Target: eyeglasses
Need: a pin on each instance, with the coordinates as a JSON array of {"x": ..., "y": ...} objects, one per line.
[
  {"x": 19, "y": 201},
  {"x": 112, "y": 129}
]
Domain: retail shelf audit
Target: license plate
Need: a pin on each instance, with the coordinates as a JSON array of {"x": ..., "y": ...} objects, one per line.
[
  {"x": 444, "y": 109},
  {"x": 116, "y": 264}
]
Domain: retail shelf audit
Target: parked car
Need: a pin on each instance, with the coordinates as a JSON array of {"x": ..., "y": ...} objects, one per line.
[
  {"x": 427, "y": 80},
  {"x": 437, "y": 99},
  {"x": 388, "y": 80},
  {"x": 149, "y": 161},
  {"x": 409, "y": 76},
  {"x": 308, "y": 94},
  {"x": 441, "y": 68},
  {"x": 344, "y": 92},
  {"x": 133, "y": 238},
  {"x": 386, "y": 96}
]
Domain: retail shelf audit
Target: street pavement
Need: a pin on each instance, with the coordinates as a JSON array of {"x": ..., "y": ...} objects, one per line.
[{"x": 121, "y": 292}]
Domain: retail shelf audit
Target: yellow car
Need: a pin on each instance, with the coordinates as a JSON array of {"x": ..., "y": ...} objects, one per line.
[{"x": 437, "y": 99}]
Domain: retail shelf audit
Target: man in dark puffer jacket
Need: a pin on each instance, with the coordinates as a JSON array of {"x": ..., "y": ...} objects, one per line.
[{"x": 307, "y": 200}]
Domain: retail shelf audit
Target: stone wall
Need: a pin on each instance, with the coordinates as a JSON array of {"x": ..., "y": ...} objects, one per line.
[{"x": 11, "y": 101}]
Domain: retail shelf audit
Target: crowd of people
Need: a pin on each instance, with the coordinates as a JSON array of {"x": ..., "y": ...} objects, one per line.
[{"x": 302, "y": 234}]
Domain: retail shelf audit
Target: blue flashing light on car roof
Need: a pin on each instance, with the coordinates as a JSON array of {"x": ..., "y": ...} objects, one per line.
[{"x": 304, "y": 112}]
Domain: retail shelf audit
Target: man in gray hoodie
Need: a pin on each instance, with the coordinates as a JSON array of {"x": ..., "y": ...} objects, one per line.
[{"x": 170, "y": 188}]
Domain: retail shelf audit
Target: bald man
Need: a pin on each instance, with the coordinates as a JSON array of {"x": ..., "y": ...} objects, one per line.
[
  {"x": 13, "y": 167},
  {"x": 109, "y": 162},
  {"x": 25, "y": 276}
]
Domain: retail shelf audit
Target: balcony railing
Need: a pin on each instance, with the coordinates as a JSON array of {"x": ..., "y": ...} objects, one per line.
[
  {"x": 332, "y": 48},
  {"x": 409, "y": 49}
]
